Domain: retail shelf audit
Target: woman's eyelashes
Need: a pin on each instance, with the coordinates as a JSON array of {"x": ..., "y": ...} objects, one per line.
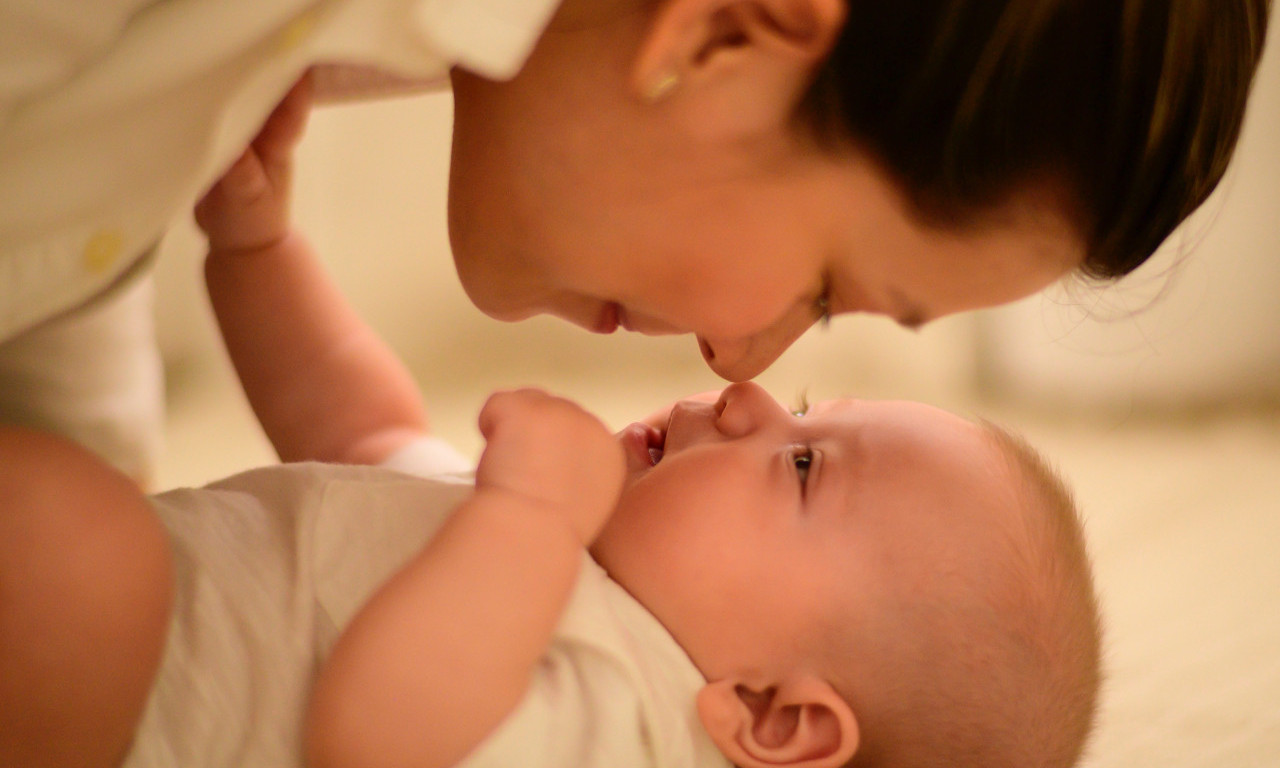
[{"x": 822, "y": 306}]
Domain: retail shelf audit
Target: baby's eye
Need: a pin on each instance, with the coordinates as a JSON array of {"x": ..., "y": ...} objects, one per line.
[{"x": 802, "y": 457}]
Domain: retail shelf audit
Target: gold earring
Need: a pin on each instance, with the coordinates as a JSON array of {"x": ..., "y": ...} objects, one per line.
[{"x": 661, "y": 86}]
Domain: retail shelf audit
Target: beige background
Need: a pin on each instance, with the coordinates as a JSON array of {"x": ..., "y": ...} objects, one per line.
[{"x": 1156, "y": 397}]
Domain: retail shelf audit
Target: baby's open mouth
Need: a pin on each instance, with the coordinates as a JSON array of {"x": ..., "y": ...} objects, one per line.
[
  {"x": 644, "y": 444},
  {"x": 657, "y": 440}
]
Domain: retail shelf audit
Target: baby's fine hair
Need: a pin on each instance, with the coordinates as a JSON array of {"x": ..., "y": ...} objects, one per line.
[
  {"x": 1132, "y": 108},
  {"x": 999, "y": 669}
]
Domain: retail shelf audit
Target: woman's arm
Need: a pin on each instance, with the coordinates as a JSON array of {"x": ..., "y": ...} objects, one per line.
[
  {"x": 323, "y": 385},
  {"x": 447, "y": 647}
]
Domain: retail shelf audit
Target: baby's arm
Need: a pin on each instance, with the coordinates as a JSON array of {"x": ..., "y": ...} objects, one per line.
[
  {"x": 448, "y": 646},
  {"x": 321, "y": 382}
]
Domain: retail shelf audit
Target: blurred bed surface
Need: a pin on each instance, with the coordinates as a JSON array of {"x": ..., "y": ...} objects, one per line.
[{"x": 1185, "y": 534}]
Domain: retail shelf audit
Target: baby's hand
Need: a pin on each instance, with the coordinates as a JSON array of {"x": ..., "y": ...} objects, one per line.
[
  {"x": 553, "y": 454},
  {"x": 248, "y": 208}
]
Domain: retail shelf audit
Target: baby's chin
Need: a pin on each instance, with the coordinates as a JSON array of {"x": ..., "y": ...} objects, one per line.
[
  {"x": 613, "y": 545},
  {"x": 601, "y": 549}
]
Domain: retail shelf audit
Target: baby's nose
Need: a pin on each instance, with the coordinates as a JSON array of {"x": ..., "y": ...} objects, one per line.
[{"x": 743, "y": 408}]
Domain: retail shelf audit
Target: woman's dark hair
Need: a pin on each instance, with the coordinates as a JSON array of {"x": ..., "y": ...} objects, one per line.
[{"x": 1134, "y": 105}]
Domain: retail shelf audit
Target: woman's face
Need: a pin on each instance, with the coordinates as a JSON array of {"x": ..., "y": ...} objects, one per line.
[{"x": 571, "y": 197}]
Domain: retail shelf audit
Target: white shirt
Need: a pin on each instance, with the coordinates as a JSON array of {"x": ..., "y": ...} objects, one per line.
[{"x": 116, "y": 115}]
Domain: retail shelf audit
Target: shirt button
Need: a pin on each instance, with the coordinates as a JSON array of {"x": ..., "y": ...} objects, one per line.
[
  {"x": 297, "y": 31},
  {"x": 102, "y": 250}
]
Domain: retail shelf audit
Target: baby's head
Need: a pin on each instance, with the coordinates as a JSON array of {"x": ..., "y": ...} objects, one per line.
[{"x": 872, "y": 583}]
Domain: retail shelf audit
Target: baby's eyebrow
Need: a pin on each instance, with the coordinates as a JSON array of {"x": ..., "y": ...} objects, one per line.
[{"x": 831, "y": 487}]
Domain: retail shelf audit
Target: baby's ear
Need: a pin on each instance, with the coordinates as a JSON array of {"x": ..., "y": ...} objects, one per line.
[{"x": 800, "y": 723}]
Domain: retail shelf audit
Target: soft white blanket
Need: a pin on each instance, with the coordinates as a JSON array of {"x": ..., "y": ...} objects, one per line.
[{"x": 1184, "y": 524}]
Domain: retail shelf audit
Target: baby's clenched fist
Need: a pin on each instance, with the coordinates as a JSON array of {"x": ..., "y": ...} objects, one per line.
[{"x": 553, "y": 454}]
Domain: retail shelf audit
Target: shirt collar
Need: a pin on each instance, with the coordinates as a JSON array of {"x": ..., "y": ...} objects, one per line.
[{"x": 492, "y": 38}]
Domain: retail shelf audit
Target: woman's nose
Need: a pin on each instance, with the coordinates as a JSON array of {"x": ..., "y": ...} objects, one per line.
[
  {"x": 744, "y": 358},
  {"x": 744, "y": 408},
  {"x": 737, "y": 359}
]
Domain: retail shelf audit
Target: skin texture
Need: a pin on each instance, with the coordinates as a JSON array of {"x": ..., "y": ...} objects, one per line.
[{"x": 706, "y": 211}]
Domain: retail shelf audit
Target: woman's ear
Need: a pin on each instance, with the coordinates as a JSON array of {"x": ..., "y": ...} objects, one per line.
[
  {"x": 691, "y": 44},
  {"x": 800, "y": 723}
]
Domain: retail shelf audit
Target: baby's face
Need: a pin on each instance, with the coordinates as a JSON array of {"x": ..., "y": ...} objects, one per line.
[{"x": 742, "y": 526}]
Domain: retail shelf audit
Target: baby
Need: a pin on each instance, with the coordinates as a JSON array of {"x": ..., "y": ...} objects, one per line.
[{"x": 865, "y": 583}]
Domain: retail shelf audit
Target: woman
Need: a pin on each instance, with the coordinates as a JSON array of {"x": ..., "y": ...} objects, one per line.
[{"x": 735, "y": 169}]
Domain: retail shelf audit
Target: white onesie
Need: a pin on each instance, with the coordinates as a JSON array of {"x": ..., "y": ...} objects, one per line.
[{"x": 272, "y": 563}]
